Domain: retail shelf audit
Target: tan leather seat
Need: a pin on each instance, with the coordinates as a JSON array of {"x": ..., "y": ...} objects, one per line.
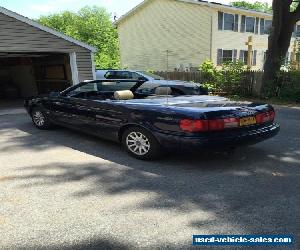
[
  {"x": 123, "y": 95},
  {"x": 163, "y": 91}
]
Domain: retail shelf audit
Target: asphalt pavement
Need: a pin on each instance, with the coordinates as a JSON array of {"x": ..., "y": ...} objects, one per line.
[{"x": 63, "y": 190}]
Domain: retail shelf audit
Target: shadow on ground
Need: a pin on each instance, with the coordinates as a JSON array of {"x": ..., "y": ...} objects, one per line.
[{"x": 256, "y": 190}]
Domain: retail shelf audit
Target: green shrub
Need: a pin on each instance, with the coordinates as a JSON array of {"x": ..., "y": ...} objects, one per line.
[
  {"x": 230, "y": 77},
  {"x": 289, "y": 87}
]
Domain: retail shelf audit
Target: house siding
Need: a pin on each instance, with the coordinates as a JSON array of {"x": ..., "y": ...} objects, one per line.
[
  {"x": 229, "y": 40},
  {"x": 16, "y": 36},
  {"x": 189, "y": 31},
  {"x": 165, "y": 25}
]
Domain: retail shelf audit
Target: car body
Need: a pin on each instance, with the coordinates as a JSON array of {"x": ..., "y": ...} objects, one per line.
[
  {"x": 115, "y": 110},
  {"x": 152, "y": 80}
]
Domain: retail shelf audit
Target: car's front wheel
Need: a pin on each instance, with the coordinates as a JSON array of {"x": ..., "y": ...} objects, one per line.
[
  {"x": 39, "y": 119},
  {"x": 141, "y": 144}
]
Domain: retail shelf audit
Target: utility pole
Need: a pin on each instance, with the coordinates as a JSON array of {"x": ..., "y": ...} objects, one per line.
[
  {"x": 167, "y": 59},
  {"x": 250, "y": 51}
]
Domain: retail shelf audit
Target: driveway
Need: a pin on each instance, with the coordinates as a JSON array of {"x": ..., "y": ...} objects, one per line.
[{"x": 64, "y": 190}]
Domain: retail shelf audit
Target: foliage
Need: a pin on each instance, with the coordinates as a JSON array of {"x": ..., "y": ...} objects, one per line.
[
  {"x": 93, "y": 26},
  {"x": 227, "y": 79},
  {"x": 259, "y": 6},
  {"x": 290, "y": 87},
  {"x": 287, "y": 86},
  {"x": 209, "y": 72},
  {"x": 294, "y": 5},
  {"x": 230, "y": 77}
]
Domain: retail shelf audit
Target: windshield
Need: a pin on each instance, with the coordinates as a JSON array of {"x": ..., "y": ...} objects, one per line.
[
  {"x": 103, "y": 86},
  {"x": 156, "y": 77}
]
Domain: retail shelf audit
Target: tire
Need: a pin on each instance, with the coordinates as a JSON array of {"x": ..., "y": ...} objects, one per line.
[
  {"x": 39, "y": 119},
  {"x": 141, "y": 144}
]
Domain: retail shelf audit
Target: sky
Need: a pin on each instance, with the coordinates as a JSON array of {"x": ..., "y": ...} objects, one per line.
[{"x": 36, "y": 8}]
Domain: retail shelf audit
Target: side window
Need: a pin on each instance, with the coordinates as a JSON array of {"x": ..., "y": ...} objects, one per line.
[
  {"x": 147, "y": 88},
  {"x": 136, "y": 76},
  {"x": 114, "y": 86},
  {"x": 110, "y": 75},
  {"x": 126, "y": 75},
  {"x": 121, "y": 75},
  {"x": 85, "y": 88}
]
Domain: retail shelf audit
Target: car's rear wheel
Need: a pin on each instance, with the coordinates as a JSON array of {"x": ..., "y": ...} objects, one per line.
[
  {"x": 39, "y": 119},
  {"x": 141, "y": 144}
]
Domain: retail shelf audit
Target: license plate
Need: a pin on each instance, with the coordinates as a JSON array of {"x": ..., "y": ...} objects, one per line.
[{"x": 248, "y": 121}]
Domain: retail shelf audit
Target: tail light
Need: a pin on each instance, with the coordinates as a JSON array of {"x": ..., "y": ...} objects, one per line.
[
  {"x": 190, "y": 125},
  {"x": 208, "y": 125},
  {"x": 194, "y": 125},
  {"x": 265, "y": 117}
]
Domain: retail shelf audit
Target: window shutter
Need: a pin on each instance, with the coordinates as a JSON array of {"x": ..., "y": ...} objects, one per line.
[
  {"x": 241, "y": 58},
  {"x": 220, "y": 20},
  {"x": 236, "y": 23},
  {"x": 262, "y": 26},
  {"x": 243, "y": 23},
  {"x": 256, "y": 25},
  {"x": 219, "y": 57},
  {"x": 254, "y": 57},
  {"x": 234, "y": 55}
]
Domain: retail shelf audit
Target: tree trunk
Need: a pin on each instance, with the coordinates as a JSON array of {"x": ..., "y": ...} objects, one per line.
[{"x": 279, "y": 42}]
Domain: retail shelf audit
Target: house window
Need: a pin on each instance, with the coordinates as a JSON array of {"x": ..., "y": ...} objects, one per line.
[
  {"x": 227, "y": 21},
  {"x": 227, "y": 56},
  {"x": 244, "y": 56},
  {"x": 250, "y": 24},
  {"x": 268, "y": 26}
]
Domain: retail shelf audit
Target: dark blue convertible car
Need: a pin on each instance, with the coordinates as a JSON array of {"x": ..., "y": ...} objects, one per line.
[{"x": 149, "y": 122}]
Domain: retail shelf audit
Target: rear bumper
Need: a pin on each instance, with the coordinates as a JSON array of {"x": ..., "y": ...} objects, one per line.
[{"x": 214, "y": 140}]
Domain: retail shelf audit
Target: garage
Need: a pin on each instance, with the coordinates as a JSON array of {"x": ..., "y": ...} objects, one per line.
[{"x": 35, "y": 59}]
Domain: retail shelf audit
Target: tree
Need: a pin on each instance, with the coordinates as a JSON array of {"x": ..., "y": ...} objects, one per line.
[
  {"x": 285, "y": 15},
  {"x": 259, "y": 6},
  {"x": 93, "y": 26}
]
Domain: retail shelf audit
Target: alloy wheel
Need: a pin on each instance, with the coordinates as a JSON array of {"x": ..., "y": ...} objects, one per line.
[
  {"x": 38, "y": 118},
  {"x": 138, "y": 143}
]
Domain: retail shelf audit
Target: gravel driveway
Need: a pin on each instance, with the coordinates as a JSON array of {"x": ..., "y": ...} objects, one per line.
[{"x": 64, "y": 190}]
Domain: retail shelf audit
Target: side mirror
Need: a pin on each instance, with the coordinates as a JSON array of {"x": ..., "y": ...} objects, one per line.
[{"x": 54, "y": 94}]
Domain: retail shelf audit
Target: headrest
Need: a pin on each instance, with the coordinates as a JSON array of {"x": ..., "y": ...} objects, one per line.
[
  {"x": 123, "y": 95},
  {"x": 163, "y": 91}
]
